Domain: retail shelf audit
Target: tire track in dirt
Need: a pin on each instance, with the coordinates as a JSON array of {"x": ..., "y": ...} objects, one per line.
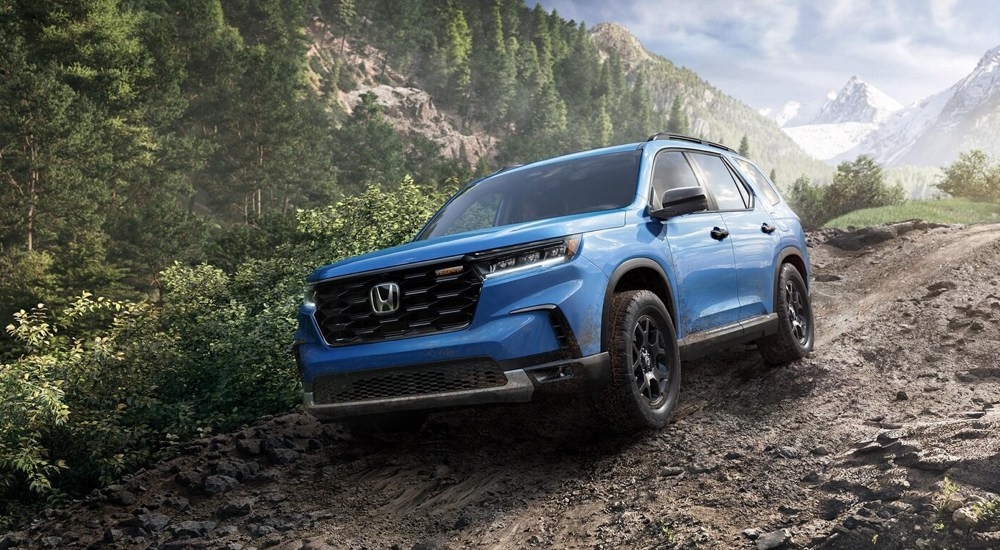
[{"x": 865, "y": 300}]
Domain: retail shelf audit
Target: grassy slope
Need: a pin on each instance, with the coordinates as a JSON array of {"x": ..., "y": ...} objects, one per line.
[{"x": 935, "y": 211}]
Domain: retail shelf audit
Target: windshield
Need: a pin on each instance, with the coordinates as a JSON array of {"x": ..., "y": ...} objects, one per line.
[{"x": 573, "y": 186}]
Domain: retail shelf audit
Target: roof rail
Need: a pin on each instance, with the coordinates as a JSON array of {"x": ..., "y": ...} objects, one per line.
[
  {"x": 505, "y": 168},
  {"x": 682, "y": 137}
]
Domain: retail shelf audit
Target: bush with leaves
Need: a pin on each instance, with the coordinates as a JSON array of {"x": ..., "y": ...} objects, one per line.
[
  {"x": 373, "y": 220},
  {"x": 98, "y": 388},
  {"x": 32, "y": 399},
  {"x": 859, "y": 184},
  {"x": 973, "y": 176},
  {"x": 76, "y": 404},
  {"x": 856, "y": 185},
  {"x": 807, "y": 201}
]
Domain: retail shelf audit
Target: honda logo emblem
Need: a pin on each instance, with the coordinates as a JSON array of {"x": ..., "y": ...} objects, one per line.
[{"x": 384, "y": 298}]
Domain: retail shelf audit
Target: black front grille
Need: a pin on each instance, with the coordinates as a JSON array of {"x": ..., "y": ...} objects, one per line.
[
  {"x": 432, "y": 298},
  {"x": 407, "y": 382}
]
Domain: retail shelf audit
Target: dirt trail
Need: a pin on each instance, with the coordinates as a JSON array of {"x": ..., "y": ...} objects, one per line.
[{"x": 846, "y": 449}]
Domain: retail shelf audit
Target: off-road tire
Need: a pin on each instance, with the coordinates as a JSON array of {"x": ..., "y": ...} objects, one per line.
[
  {"x": 796, "y": 329},
  {"x": 645, "y": 364}
]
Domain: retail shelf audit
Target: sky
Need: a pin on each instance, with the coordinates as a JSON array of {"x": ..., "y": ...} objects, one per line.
[{"x": 768, "y": 52}]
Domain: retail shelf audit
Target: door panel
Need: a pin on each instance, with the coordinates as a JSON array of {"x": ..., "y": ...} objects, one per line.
[
  {"x": 754, "y": 251},
  {"x": 707, "y": 288}
]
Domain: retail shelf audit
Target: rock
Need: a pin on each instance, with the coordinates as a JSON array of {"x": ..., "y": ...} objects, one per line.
[
  {"x": 671, "y": 471},
  {"x": 11, "y": 540},
  {"x": 217, "y": 484},
  {"x": 869, "y": 448},
  {"x": 787, "y": 451},
  {"x": 774, "y": 539},
  {"x": 751, "y": 534},
  {"x": 859, "y": 520},
  {"x": 965, "y": 518},
  {"x": 822, "y": 450},
  {"x": 238, "y": 469},
  {"x": 892, "y": 491},
  {"x": 282, "y": 456},
  {"x": 862, "y": 238},
  {"x": 901, "y": 396},
  {"x": 827, "y": 278},
  {"x": 250, "y": 447},
  {"x": 113, "y": 535},
  {"x": 188, "y": 478},
  {"x": 180, "y": 504},
  {"x": 52, "y": 542},
  {"x": 118, "y": 495},
  {"x": 152, "y": 522},
  {"x": 702, "y": 468},
  {"x": 942, "y": 286},
  {"x": 316, "y": 544},
  {"x": 192, "y": 529},
  {"x": 237, "y": 508},
  {"x": 935, "y": 462},
  {"x": 412, "y": 112},
  {"x": 953, "y": 503}
]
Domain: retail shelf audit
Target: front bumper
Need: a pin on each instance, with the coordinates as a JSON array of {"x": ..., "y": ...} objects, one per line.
[{"x": 517, "y": 385}]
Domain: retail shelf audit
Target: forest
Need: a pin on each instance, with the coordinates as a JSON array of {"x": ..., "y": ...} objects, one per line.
[{"x": 170, "y": 170}]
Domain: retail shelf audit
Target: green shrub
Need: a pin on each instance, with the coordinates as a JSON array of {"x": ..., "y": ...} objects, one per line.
[{"x": 98, "y": 387}]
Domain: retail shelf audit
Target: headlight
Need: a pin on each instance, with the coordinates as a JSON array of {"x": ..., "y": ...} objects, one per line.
[
  {"x": 502, "y": 262},
  {"x": 309, "y": 296}
]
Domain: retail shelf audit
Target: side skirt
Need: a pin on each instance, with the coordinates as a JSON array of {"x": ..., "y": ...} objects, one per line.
[{"x": 716, "y": 339}]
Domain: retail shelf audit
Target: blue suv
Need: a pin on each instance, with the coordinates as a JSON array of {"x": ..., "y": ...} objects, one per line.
[{"x": 593, "y": 274}]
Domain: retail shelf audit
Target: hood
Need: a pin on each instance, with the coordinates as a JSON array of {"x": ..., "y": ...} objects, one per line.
[{"x": 453, "y": 246}]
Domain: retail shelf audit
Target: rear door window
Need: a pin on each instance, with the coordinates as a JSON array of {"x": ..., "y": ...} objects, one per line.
[{"x": 729, "y": 193}]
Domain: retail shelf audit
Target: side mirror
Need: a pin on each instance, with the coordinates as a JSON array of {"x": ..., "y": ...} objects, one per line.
[{"x": 680, "y": 201}]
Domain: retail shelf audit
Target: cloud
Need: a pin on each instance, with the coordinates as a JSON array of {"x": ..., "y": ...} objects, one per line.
[
  {"x": 766, "y": 52},
  {"x": 942, "y": 13}
]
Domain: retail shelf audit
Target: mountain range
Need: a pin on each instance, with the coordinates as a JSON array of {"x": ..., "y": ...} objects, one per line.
[{"x": 860, "y": 119}]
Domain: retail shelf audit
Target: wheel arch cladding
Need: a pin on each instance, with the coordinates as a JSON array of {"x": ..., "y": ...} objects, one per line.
[
  {"x": 636, "y": 274},
  {"x": 789, "y": 256}
]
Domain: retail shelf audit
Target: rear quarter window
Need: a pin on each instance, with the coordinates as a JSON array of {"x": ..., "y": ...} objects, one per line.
[{"x": 760, "y": 182}]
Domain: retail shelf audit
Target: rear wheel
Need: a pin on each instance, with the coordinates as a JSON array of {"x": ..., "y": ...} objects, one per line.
[
  {"x": 645, "y": 364},
  {"x": 796, "y": 331}
]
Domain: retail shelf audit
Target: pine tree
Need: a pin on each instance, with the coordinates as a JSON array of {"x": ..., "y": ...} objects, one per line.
[
  {"x": 457, "y": 51},
  {"x": 744, "y": 146},
  {"x": 640, "y": 120},
  {"x": 368, "y": 148},
  {"x": 678, "y": 122}
]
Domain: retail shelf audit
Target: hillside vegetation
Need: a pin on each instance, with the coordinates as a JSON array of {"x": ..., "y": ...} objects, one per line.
[
  {"x": 944, "y": 211},
  {"x": 171, "y": 169}
]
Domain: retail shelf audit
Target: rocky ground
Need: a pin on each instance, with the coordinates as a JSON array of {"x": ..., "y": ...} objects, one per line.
[{"x": 886, "y": 437}]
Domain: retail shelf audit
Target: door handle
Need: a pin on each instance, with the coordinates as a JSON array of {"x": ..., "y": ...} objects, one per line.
[
  {"x": 719, "y": 234},
  {"x": 767, "y": 228}
]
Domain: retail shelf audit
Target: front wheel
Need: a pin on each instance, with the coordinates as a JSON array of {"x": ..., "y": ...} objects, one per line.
[
  {"x": 796, "y": 331},
  {"x": 645, "y": 364}
]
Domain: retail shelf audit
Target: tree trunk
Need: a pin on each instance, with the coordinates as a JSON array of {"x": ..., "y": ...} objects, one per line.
[{"x": 32, "y": 191}]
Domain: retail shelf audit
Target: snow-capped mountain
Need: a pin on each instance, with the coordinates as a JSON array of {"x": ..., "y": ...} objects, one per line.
[
  {"x": 857, "y": 101},
  {"x": 844, "y": 120},
  {"x": 933, "y": 132},
  {"x": 794, "y": 113}
]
